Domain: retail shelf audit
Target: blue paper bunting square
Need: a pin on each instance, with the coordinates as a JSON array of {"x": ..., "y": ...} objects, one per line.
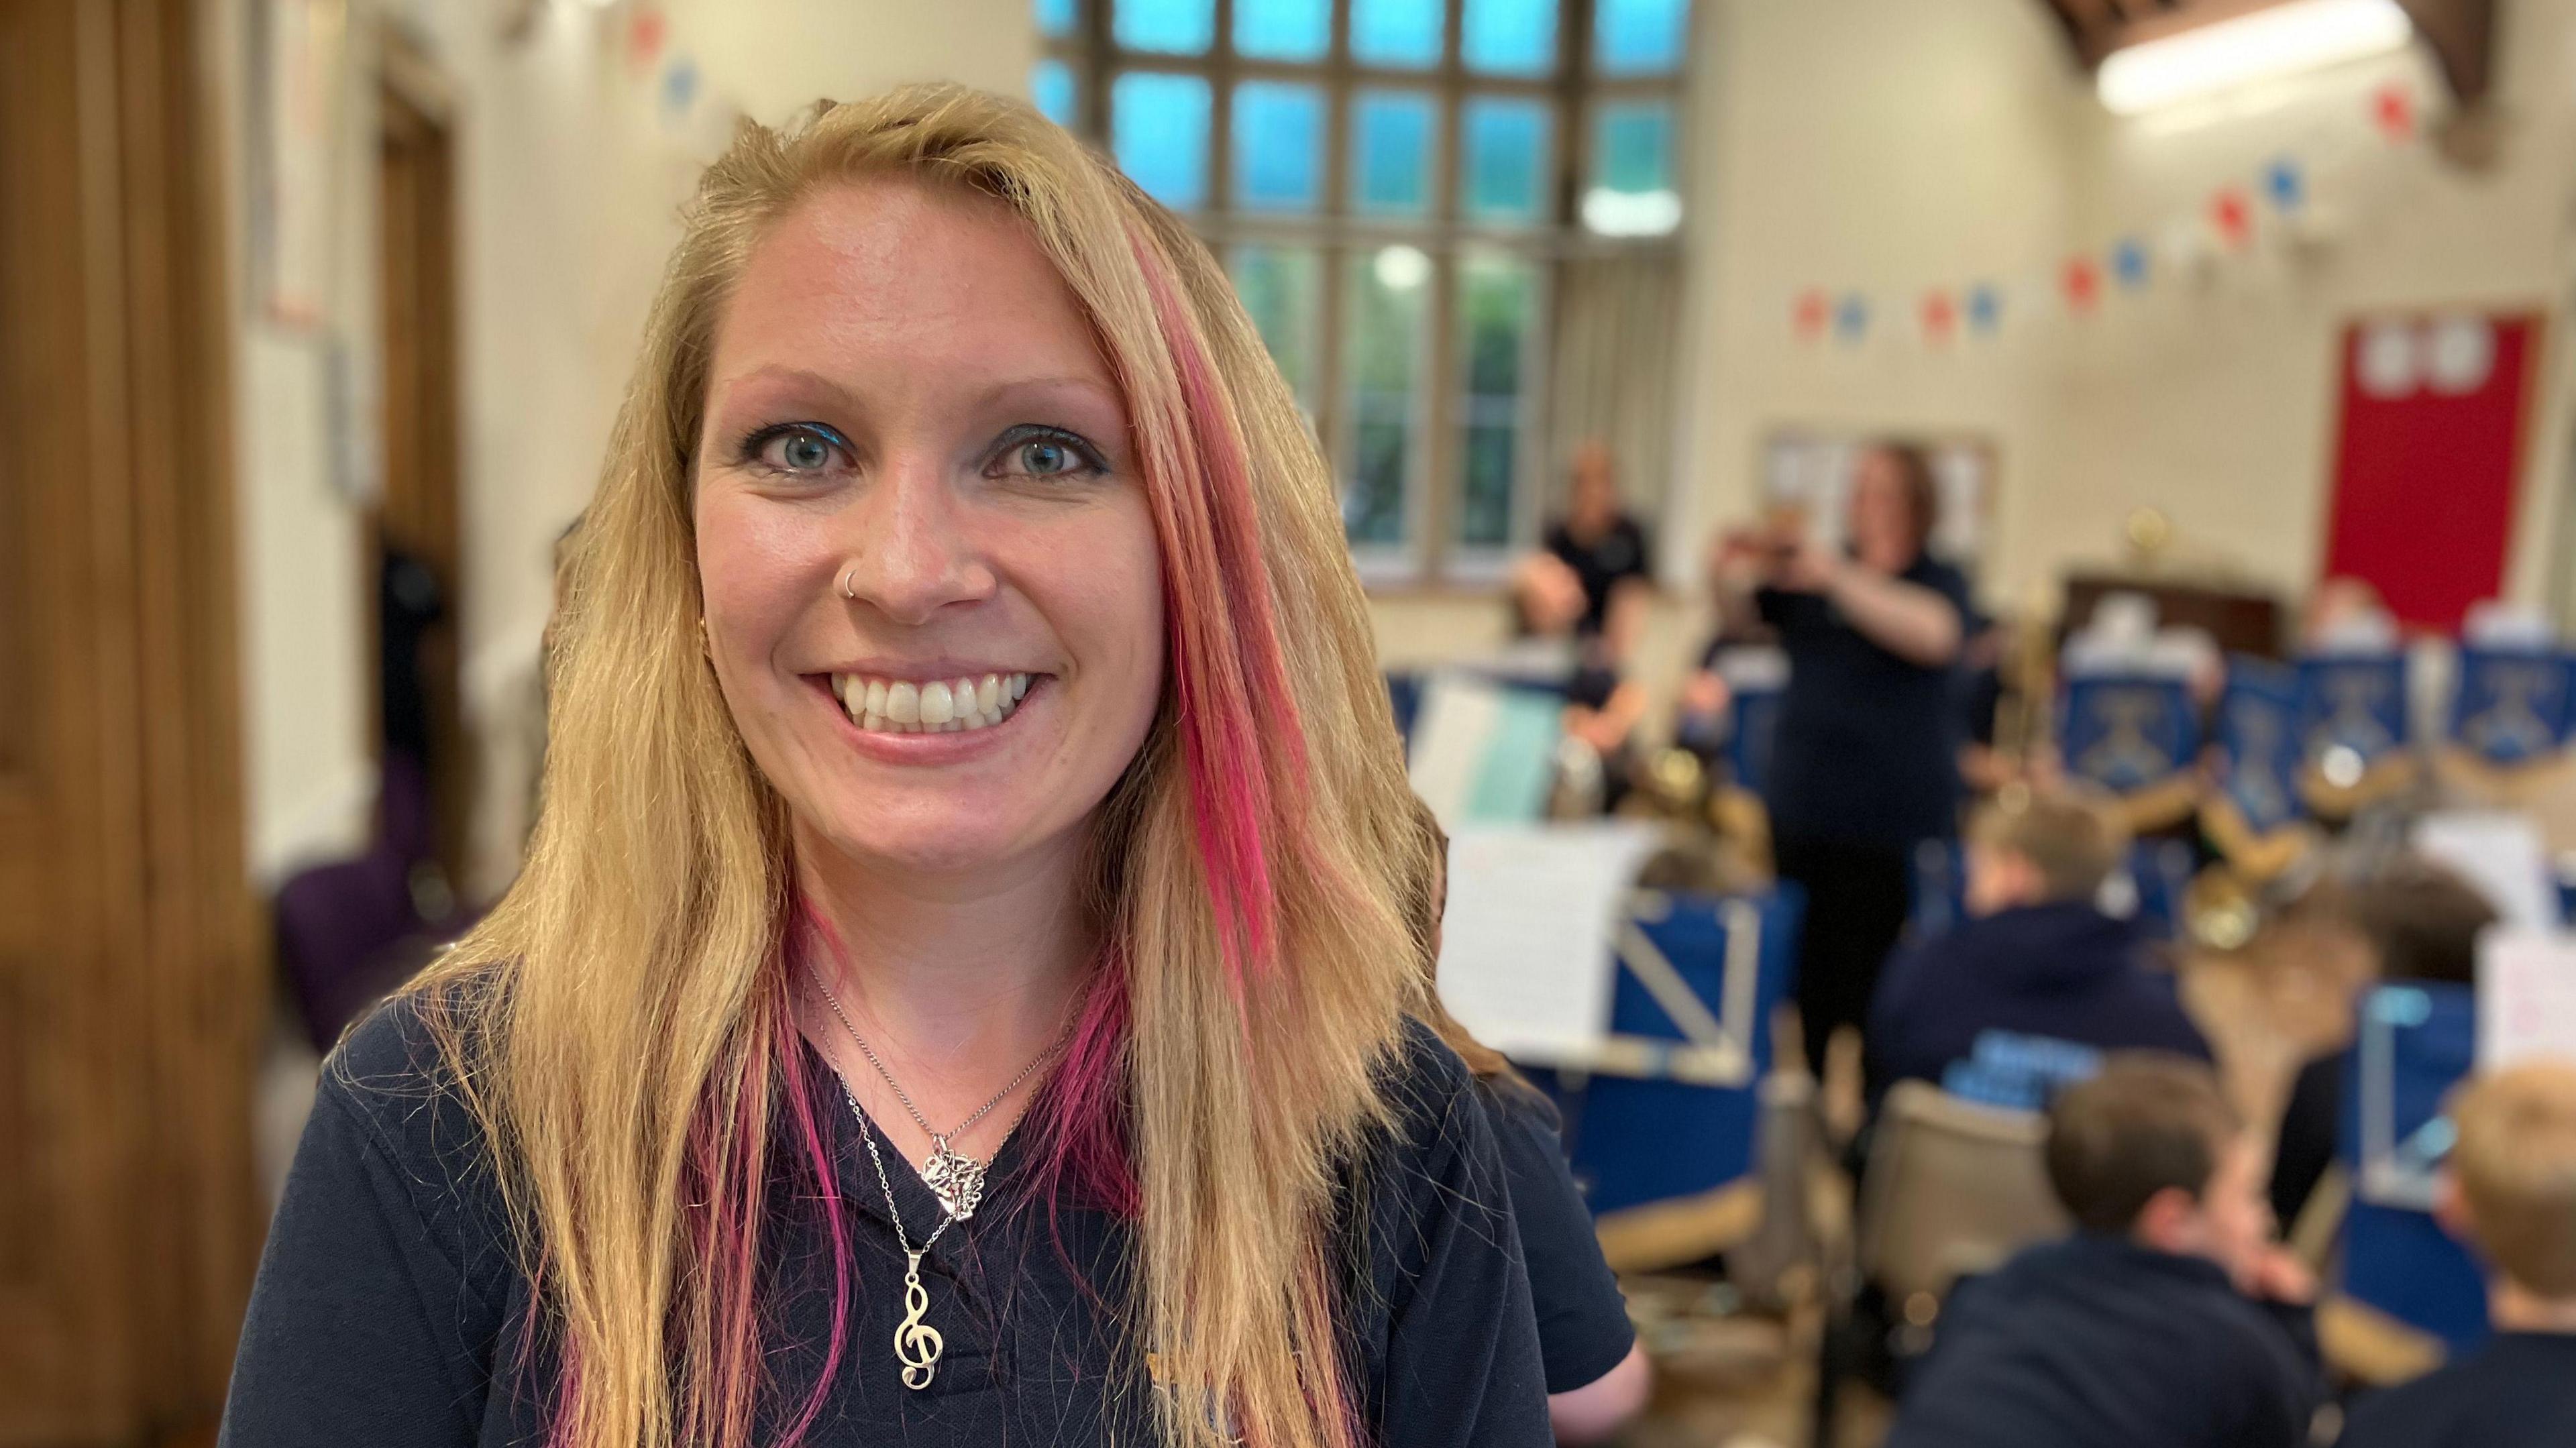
[
  {"x": 2129, "y": 263},
  {"x": 2286, "y": 184},
  {"x": 1985, "y": 307},
  {"x": 1851, "y": 318}
]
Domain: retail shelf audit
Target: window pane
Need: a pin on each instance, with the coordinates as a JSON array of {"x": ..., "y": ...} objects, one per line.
[
  {"x": 1278, "y": 146},
  {"x": 1281, "y": 287},
  {"x": 1391, "y": 146},
  {"x": 1283, "y": 29},
  {"x": 1158, "y": 128},
  {"x": 1631, "y": 191},
  {"x": 1386, "y": 298},
  {"x": 1509, "y": 37},
  {"x": 1402, "y": 33},
  {"x": 1497, "y": 307},
  {"x": 1506, "y": 159},
  {"x": 1051, "y": 86},
  {"x": 1175, "y": 27},
  {"x": 1639, "y": 37},
  {"x": 1055, "y": 17}
]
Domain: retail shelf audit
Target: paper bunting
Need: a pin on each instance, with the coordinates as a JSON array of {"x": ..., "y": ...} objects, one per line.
[
  {"x": 645, "y": 34},
  {"x": 1985, "y": 307},
  {"x": 2265, "y": 206},
  {"x": 1814, "y": 309},
  {"x": 2392, "y": 109},
  {"x": 2082, "y": 282},
  {"x": 2231, "y": 217},
  {"x": 2129, "y": 263},
  {"x": 1851, "y": 318},
  {"x": 2286, "y": 184}
]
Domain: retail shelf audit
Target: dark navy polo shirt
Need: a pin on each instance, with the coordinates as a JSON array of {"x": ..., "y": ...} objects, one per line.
[
  {"x": 390, "y": 1304},
  {"x": 2518, "y": 1391},
  {"x": 1867, "y": 746}
]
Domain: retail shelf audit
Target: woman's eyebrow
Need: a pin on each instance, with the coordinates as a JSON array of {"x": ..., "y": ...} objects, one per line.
[{"x": 786, "y": 381}]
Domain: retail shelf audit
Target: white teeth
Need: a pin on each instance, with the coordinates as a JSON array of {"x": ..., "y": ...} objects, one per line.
[{"x": 942, "y": 706}]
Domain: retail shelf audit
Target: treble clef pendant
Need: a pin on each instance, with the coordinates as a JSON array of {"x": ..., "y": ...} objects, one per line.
[{"x": 916, "y": 1342}]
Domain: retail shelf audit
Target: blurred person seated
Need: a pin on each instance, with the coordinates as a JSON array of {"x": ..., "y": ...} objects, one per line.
[
  {"x": 2510, "y": 1192},
  {"x": 2169, "y": 1320},
  {"x": 1597, "y": 1374},
  {"x": 2420, "y": 922},
  {"x": 1589, "y": 585},
  {"x": 1605, "y": 548},
  {"x": 2035, "y": 958}
]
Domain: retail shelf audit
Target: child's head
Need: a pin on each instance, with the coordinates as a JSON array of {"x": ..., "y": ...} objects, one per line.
[
  {"x": 2512, "y": 1181},
  {"x": 2052, "y": 846},
  {"x": 2151, "y": 1150},
  {"x": 2422, "y": 921}
]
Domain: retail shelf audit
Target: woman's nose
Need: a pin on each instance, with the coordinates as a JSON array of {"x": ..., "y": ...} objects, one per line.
[{"x": 914, "y": 548}]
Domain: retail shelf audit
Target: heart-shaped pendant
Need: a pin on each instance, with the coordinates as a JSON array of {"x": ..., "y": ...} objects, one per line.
[{"x": 956, "y": 1180}]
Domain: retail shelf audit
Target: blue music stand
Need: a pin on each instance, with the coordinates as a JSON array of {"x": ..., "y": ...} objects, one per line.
[
  {"x": 2415, "y": 1043},
  {"x": 1666, "y": 1107}
]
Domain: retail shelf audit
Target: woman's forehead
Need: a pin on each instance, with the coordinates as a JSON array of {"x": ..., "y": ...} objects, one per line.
[{"x": 859, "y": 269}]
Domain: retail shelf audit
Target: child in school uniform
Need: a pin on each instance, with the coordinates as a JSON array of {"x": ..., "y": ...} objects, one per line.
[
  {"x": 2168, "y": 1320},
  {"x": 2511, "y": 1191}
]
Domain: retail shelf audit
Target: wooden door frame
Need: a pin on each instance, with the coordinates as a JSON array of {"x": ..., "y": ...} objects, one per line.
[{"x": 148, "y": 994}]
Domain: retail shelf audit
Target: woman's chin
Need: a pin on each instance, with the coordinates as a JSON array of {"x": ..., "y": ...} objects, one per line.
[{"x": 944, "y": 844}]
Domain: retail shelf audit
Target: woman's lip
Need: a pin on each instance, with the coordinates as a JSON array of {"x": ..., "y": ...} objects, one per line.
[{"x": 930, "y": 749}]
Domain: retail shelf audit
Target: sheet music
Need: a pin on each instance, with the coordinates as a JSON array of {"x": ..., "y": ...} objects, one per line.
[
  {"x": 1525, "y": 951},
  {"x": 2499, "y": 852},
  {"x": 2526, "y": 996}
]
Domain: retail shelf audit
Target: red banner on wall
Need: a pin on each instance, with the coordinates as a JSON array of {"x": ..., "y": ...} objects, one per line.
[{"x": 2427, "y": 458}]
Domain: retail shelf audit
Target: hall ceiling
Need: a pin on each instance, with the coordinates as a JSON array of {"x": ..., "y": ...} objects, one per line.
[{"x": 2460, "y": 33}]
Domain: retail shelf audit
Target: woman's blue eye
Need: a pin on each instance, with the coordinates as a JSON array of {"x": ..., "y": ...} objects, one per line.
[
  {"x": 797, "y": 450},
  {"x": 1034, "y": 452}
]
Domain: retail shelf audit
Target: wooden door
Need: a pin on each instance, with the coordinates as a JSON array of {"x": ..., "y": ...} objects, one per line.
[
  {"x": 129, "y": 987},
  {"x": 418, "y": 512}
]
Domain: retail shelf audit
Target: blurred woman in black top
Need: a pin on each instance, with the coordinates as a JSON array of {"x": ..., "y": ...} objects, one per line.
[{"x": 1864, "y": 766}]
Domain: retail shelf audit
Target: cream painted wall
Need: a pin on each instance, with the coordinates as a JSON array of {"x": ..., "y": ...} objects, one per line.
[
  {"x": 2218, "y": 403},
  {"x": 1888, "y": 146},
  {"x": 570, "y": 173}
]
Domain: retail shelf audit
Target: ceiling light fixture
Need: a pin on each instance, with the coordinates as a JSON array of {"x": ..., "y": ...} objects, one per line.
[{"x": 2276, "y": 40}]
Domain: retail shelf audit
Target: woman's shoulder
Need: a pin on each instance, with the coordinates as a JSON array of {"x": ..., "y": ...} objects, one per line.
[
  {"x": 1440, "y": 1142},
  {"x": 399, "y": 1078}
]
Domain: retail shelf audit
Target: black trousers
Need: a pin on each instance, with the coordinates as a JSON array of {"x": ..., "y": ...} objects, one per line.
[{"x": 1858, "y": 897}]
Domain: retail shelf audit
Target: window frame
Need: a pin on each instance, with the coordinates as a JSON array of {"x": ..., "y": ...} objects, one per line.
[{"x": 1573, "y": 93}]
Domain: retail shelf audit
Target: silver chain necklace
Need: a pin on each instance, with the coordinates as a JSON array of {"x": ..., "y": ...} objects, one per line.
[
  {"x": 955, "y": 1178},
  {"x": 917, "y": 1344}
]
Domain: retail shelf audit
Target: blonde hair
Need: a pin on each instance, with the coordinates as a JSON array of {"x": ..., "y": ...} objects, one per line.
[
  {"x": 2070, "y": 836},
  {"x": 2516, "y": 1165},
  {"x": 621, "y": 1025}
]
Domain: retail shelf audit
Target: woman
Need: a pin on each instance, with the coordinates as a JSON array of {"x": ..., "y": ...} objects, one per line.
[
  {"x": 954, "y": 995},
  {"x": 1864, "y": 763}
]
